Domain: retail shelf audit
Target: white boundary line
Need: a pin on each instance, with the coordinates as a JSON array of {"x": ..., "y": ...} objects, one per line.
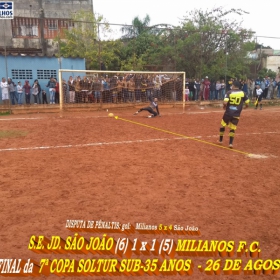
[
  {"x": 122, "y": 142},
  {"x": 89, "y": 144},
  {"x": 15, "y": 119}
]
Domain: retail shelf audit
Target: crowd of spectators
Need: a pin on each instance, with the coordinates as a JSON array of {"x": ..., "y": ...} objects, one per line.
[
  {"x": 130, "y": 88},
  {"x": 206, "y": 89}
]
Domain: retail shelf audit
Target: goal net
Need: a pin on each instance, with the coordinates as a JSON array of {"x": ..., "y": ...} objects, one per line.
[{"x": 119, "y": 88}]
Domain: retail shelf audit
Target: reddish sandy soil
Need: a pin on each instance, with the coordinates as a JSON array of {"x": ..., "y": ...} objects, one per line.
[{"x": 166, "y": 179}]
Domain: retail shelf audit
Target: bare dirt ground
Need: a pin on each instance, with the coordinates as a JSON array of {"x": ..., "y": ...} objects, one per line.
[{"x": 166, "y": 170}]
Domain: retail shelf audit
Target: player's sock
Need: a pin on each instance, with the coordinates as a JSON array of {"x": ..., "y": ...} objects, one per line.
[
  {"x": 261, "y": 107},
  {"x": 222, "y": 131},
  {"x": 231, "y": 137}
]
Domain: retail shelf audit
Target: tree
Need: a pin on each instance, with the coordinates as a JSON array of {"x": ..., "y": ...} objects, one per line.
[
  {"x": 266, "y": 73},
  {"x": 211, "y": 43},
  {"x": 83, "y": 40},
  {"x": 137, "y": 28},
  {"x": 140, "y": 42},
  {"x": 206, "y": 43}
]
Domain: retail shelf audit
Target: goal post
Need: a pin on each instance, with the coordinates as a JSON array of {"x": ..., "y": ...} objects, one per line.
[{"x": 103, "y": 89}]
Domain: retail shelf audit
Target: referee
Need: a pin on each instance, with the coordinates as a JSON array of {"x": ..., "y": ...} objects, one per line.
[
  {"x": 233, "y": 104},
  {"x": 151, "y": 109}
]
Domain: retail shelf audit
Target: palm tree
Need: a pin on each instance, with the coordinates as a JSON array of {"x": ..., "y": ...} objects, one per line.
[{"x": 137, "y": 28}]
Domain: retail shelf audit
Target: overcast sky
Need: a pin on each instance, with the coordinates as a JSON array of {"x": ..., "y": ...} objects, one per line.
[{"x": 263, "y": 18}]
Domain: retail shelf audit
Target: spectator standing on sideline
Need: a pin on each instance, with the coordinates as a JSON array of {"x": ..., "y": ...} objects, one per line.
[
  {"x": 206, "y": 88},
  {"x": 39, "y": 91},
  {"x": 44, "y": 97},
  {"x": 266, "y": 81},
  {"x": 51, "y": 86},
  {"x": 218, "y": 90},
  {"x": 187, "y": 93},
  {"x": 71, "y": 86},
  {"x": 278, "y": 88},
  {"x": 223, "y": 90},
  {"x": 262, "y": 86},
  {"x": 12, "y": 90},
  {"x": 245, "y": 87},
  {"x": 192, "y": 89},
  {"x": 36, "y": 89},
  {"x": 197, "y": 89},
  {"x": 212, "y": 89},
  {"x": 270, "y": 90},
  {"x": 27, "y": 90},
  {"x": 56, "y": 95},
  {"x": 5, "y": 91},
  {"x": 201, "y": 93},
  {"x": 19, "y": 92}
]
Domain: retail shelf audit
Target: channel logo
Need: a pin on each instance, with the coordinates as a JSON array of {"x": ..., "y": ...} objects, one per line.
[{"x": 6, "y": 10}]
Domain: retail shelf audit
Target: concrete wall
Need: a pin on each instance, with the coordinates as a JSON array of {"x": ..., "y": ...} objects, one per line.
[
  {"x": 39, "y": 9},
  {"x": 273, "y": 62},
  {"x": 52, "y": 8}
]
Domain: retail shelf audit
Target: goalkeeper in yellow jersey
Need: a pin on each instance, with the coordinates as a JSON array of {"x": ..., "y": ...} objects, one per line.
[
  {"x": 151, "y": 109},
  {"x": 233, "y": 104}
]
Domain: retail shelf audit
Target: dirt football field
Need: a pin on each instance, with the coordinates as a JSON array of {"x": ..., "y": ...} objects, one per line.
[{"x": 128, "y": 169}]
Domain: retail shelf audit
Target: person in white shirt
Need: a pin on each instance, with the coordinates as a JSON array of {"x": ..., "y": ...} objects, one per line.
[
  {"x": 19, "y": 92},
  {"x": 259, "y": 96},
  {"x": 5, "y": 91}
]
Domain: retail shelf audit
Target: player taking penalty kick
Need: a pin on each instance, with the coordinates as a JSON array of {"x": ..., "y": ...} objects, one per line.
[
  {"x": 233, "y": 104},
  {"x": 150, "y": 109}
]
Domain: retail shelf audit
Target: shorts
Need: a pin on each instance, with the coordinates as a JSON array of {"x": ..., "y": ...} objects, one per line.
[
  {"x": 230, "y": 121},
  {"x": 259, "y": 97},
  {"x": 5, "y": 96}
]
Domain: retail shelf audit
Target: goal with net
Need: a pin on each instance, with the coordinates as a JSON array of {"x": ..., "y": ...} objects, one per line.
[{"x": 119, "y": 88}]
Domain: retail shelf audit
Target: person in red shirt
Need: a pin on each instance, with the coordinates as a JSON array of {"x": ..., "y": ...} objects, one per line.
[
  {"x": 206, "y": 87},
  {"x": 27, "y": 90}
]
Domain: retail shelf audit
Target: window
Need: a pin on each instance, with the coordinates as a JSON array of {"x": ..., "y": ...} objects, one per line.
[
  {"x": 45, "y": 74},
  {"x": 52, "y": 24},
  {"x": 25, "y": 27},
  {"x": 22, "y": 74}
]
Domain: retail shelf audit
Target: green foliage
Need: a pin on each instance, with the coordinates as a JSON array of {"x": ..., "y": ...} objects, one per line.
[
  {"x": 12, "y": 133},
  {"x": 143, "y": 44},
  {"x": 206, "y": 43},
  {"x": 137, "y": 28},
  {"x": 4, "y": 113},
  {"x": 83, "y": 41},
  {"x": 219, "y": 44},
  {"x": 266, "y": 73}
]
